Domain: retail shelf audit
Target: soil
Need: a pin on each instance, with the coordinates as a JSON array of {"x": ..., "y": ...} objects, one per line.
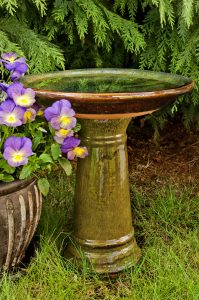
[{"x": 173, "y": 160}]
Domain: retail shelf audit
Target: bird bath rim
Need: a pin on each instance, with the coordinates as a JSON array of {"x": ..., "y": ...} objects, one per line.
[{"x": 110, "y": 105}]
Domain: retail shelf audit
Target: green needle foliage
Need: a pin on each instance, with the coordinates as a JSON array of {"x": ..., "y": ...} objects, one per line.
[{"x": 160, "y": 35}]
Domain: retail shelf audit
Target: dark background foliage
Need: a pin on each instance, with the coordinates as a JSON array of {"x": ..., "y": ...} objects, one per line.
[{"x": 161, "y": 35}]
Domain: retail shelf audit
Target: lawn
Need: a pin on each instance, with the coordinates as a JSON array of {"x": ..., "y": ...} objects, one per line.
[{"x": 166, "y": 224}]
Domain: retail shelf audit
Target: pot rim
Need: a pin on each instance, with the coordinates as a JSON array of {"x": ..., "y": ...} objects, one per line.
[{"x": 10, "y": 187}]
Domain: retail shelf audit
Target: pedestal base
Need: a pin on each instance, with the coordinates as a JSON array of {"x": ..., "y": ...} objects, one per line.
[
  {"x": 106, "y": 259},
  {"x": 103, "y": 231}
]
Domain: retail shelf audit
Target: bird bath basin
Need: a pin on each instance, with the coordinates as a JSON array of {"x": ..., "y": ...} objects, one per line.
[{"x": 105, "y": 100}]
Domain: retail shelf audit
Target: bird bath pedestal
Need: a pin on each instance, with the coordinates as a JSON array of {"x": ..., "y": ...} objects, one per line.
[{"x": 105, "y": 100}]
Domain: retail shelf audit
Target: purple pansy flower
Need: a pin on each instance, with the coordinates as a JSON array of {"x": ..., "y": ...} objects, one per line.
[
  {"x": 17, "y": 150},
  {"x": 19, "y": 70},
  {"x": 13, "y": 65},
  {"x": 69, "y": 143},
  {"x": 38, "y": 108},
  {"x": 70, "y": 146},
  {"x": 8, "y": 57},
  {"x": 17, "y": 67},
  {"x": 81, "y": 152},
  {"x": 60, "y": 115},
  {"x": 62, "y": 134},
  {"x": 11, "y": 56},
  {"x": 20, "y": 95},
  {"x": 11, "y": 114},
  {"x": 29, "y": 115}
]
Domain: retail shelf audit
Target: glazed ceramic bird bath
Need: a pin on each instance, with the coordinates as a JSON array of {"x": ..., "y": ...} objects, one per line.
[{"x": 105, "y": 100}]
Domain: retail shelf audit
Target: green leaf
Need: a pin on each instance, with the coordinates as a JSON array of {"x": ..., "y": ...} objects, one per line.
[
  {"x": 45, "y": 158},
  {"x": 55, "y": 151},
  {"x": 38, "y": 139},
  {"x": 66, "y": 165},
  {"x": 6, "y": 177},
  {"x": 43, "y": 186},
  {"x": 6, "y": 167},
  {"x": 52, "y": 130},
  {"x": 25, "y": 172}
]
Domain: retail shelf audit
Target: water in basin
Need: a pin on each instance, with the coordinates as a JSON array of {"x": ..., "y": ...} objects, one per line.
[{"x": 139, "y": 81}]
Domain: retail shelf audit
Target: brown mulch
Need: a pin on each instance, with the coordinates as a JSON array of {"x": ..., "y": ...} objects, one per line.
[{"x": 175, "y": 159}]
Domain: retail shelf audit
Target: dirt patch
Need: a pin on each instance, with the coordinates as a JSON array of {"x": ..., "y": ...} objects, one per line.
[{"x": 175, "y": 159}]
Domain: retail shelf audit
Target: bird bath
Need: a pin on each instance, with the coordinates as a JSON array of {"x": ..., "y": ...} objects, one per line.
[{"x": 105, "y": 100}]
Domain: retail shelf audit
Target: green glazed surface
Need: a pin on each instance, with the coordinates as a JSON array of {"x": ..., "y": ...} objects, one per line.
[{"x": 102, "y": 216}]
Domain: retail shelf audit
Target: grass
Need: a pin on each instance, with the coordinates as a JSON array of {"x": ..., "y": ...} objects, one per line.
[{"x": 166, "y": 224}]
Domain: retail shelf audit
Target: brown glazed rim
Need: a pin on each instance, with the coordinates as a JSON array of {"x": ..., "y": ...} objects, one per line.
[
  {"x": 111, "y": 97},
  {"x": 10, "y": 187},
  {"x": 117, "y": 96},
  {"x": 87, "y": 97}
]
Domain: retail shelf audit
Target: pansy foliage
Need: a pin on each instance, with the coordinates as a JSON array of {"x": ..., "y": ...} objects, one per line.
[{"x": 33, "y": 140}]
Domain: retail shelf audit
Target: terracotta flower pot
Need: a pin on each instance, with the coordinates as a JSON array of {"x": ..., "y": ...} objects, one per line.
[{"x": 20, "y": 209}]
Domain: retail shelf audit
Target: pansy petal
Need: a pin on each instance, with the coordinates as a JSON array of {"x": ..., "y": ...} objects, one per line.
[
  {"x": 11, "y": 114},
  {"x": 56, "y": 109},
  {"x": 69, "y": 112},
  {"x": 29, "y": 115},
  {"x": 17, "y": 150},
  {"x": 7, "y": 106},
  {"x": 17, "y": 142},
  {"x": 70, "y": 124},
  {"x": 20, "y": 67},
  {"x": 26, "y": 146},
  {"x": 8, "y": 153},
  {"x": 13, "y": 142},
  {"x": 63, "y": 133},
  {"x": 69, "y": 143},
  {"x": 21, "y": 60},
  {"x": 15, "y": 123},
  {"x": 8, "y": 66},
  {"x": 14, "y": 88},
  {"x": 19, "y": 112},
  {"x": 3, "y": 86},
  {"x": 9, "y": 55},
  {"x": 58, "y": 139},
  {"x": 12, "y": 64},
  {"x": 13, "y": 163},
  {"x": 25, "y": 98},
  {"x": 65, "y": 103},
  {"x": 51, "y": 113},
  {"x": 58, "y": 104},
  {"x": 81, "y": 152},
  {"x": 15, "y": 75},
  {"x": 29, "y": 92},
  {"x": 55, "y": 123},
  {"x": 70, "y": 155}
]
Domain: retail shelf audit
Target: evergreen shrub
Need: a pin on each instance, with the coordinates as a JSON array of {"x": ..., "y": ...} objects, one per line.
[{"x": 161, "y": 35}]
